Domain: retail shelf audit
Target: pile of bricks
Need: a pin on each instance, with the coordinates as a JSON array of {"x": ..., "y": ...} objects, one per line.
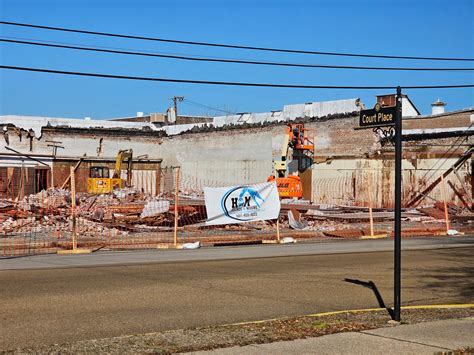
[
  {"x": 122, "y": 212},
  {"x": 131, "y": 218}
]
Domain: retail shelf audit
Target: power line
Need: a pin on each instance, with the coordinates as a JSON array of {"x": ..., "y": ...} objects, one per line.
[
  {"x": 234, "y": 46},
  {"x": 230, "y": 83},
  {"x": 220, "y": 60},
  {"x": 128, "y": 49},
  {"x": 194, "y": 103}
]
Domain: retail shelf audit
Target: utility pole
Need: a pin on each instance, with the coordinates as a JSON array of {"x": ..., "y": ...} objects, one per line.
[
  {"x": 175, "y": 105},
  {"x": 54, "y": 145}
]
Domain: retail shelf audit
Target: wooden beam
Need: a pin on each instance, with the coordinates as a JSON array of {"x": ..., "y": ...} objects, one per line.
[
  {"x": 69, "y": 177},
  {"x": 458, "y": 194},
  {"x": 418, "y": 198}
]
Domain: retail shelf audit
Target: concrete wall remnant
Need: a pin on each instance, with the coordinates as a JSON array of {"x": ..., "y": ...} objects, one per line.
[{"x": 239, "y": 149}]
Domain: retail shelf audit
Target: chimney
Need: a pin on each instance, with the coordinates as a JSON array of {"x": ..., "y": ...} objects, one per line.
[
  {"x": 437, "y": 107},
  {"x": 386, "y": 100}
]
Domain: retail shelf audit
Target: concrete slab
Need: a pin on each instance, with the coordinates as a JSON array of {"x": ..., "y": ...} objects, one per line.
[
  {"x": 418, "y": 339},
  {"x": 452, "y": 334},
  {"x": 343, "y": 343}
]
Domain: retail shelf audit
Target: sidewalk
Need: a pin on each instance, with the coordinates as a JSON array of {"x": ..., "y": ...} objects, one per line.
[{"x": 423, "y": 338}]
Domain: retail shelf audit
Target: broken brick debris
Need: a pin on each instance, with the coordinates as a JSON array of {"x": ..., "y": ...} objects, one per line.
[{"x": 133, "y": 219}]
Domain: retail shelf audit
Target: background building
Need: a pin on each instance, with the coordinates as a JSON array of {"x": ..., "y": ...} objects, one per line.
[{"x": 237, "y": 149}]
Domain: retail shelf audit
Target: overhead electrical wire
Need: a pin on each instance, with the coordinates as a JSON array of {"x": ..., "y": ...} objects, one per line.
[
  {"x": 223, "y": 60},
  {"x": 197, "y": 104},
  {"x": 233, "y": 46},
  {"x": 229, "y": 83},
  {"x": 220, "y": 60},
  {"x": 128, "y": 49}
]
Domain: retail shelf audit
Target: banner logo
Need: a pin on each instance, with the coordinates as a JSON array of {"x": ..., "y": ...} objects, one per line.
[{"x": 242, "y": 203}]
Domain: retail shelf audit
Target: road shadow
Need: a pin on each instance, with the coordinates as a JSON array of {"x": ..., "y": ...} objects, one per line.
[
  {"x": 371, "y": 285},
  {"x": 456, "y": 277}
]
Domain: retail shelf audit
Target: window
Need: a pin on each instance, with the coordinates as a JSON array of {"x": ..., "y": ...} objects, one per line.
[{"x": 99, "y": 172}]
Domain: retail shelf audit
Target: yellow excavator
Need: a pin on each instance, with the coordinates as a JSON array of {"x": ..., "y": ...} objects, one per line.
[
  {"x": 302, "y": 151},
  {"x": 100, "y": 182}
]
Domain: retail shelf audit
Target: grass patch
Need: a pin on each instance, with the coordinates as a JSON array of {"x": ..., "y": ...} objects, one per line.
[{"x": 320, "y": 325}]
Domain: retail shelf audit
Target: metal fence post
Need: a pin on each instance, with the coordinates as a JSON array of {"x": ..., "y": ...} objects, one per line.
[
  {"x": 176, "y": 201},
  {"x": 446, "y": 214},
  {"x": 73, "y": 208},
  {"x": 278, "y": 228},
  {"x": 371, "y": 216}
]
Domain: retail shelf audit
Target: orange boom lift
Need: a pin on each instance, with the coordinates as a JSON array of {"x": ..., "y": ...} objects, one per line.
[{"x": 298, "y": 148}]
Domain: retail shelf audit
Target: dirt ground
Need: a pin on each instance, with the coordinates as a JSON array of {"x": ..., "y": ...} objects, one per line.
[{"x": 206, "y": 338}]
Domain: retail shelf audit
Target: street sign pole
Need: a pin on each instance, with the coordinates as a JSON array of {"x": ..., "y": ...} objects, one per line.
[
  {"x": 386, "y": 121},
  {"x": 398, "y": 206}
]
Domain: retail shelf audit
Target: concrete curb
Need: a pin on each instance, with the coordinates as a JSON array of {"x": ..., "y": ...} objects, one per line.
[{"x": 431, "y": 306}]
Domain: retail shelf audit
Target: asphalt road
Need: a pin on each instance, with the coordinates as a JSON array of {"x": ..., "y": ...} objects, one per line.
[
  {"x": 335, "y": 246},
  {"x": 54, "y": 305}
]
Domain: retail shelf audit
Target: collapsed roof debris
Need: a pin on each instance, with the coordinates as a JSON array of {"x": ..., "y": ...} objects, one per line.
[
  {"x": 314, "y": 110},
  {"x": 36, "y": 124}
]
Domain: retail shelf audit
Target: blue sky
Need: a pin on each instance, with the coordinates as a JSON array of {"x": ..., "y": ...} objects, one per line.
[{"x": 404, "y": 27}]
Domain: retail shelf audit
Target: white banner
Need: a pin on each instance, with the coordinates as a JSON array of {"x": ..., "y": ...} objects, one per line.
[{"x": 238, "y": 204}]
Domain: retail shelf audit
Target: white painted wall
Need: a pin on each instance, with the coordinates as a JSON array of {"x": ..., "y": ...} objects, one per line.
[
  {"x": 238, "y": 156},
  {"x": 407, "y": 108},
  {"x": 76, "y": 145},
  {"x": 333, "y": 183}
]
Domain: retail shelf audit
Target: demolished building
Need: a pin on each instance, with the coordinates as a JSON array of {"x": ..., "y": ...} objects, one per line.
[
  {"x": 237, "y": 149},
  {"x": 43, "y": 149}
]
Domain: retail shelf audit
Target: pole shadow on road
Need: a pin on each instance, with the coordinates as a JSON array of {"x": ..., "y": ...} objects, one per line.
[{"x": 371, "y": 285}]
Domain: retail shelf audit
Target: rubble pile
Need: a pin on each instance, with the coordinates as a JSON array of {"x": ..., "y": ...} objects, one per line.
[
  {"x": 131, "y": 216},
  {"x": 96, "y": 230},
  {"x": 50, "y": 211},
  {"x": 97, "y": 216}
]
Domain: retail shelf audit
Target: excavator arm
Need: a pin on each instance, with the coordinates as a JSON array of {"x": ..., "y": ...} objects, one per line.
[
  {"x": 124, "y": 155},
  {"x": 280, "y": 166}
]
